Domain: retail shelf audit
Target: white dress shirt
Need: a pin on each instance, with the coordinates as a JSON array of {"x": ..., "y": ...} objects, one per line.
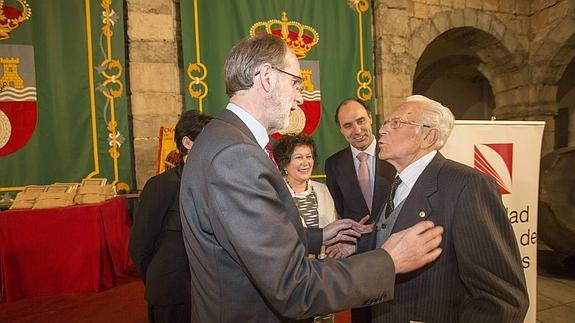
[
  {"x": 256, "y": 128},
  {"x": 410, "y": 175}
]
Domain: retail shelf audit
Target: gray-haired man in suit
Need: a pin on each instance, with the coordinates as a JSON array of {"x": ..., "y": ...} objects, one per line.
[
  {"x": 245, "y": 242},
  {"x": 479, "y": 277}
]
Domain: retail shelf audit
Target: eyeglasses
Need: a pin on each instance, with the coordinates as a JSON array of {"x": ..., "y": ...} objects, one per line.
[
  {"x": 297, "y": 81},
  {"x": 395, "y": 123}
]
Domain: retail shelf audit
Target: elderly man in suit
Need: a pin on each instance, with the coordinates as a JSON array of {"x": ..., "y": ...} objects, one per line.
[
  {"x": 479, "y": 277},
  {"x": 246, "y": 245},
  {"x": 355, "y": 177}
]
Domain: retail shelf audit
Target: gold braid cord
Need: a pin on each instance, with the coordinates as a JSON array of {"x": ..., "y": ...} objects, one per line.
[
  {"x": 197, "y": 72},
  {"x": 363, "y": 77},
  {"x": 111, "y": 87}
]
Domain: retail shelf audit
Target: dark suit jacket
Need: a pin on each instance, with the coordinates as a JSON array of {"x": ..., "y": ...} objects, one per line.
[
  {"x": 478, "y": 277},
  {"x": 246, "y": 244},
  {"x": 156, "y": 243},
  {"x": 342, "y": 182}
]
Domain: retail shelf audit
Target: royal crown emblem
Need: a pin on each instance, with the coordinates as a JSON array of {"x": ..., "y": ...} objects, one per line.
[
  {"x": 300, "y": 38},
  {"x": 11, "y": 18}
]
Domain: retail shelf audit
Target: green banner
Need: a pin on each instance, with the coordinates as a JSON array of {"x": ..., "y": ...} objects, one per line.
[
  {"x": 337, "y": 49},
  {"x": 63, "y": 106}
]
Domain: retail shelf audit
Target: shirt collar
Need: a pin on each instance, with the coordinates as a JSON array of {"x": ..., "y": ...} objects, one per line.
[
  {"x": 411, "y": 173},
  {"x": 370, "y": 150},
  {"x": 256, "y": 128}
]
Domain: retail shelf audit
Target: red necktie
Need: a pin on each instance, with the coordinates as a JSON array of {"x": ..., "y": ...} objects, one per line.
[{"x": 271, "y": 153}]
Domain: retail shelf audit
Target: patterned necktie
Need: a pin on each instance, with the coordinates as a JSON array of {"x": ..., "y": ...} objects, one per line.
[
  {"x": 363, "y": 178},
  {"x": 389, "y": 206},
  {"x": 271, "y": 153}
]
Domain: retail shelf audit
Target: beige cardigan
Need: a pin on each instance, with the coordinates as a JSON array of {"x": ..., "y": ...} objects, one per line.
[{"x": 326, "y": 208}]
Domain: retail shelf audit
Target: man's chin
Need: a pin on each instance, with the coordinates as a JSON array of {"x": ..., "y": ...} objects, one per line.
[
  {"x": 285, "y": 124},
  {"x": 277, "y": 128}
]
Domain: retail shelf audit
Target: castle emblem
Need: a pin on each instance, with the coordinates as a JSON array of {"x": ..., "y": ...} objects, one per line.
[{"x": 18, "y": 108}]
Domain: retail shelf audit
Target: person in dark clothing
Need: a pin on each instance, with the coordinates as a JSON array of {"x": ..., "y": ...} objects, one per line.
[{"x": 156, "y": 243}]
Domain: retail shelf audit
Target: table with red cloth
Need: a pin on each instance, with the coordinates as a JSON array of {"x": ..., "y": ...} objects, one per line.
[{"x": 63, "y": 250}]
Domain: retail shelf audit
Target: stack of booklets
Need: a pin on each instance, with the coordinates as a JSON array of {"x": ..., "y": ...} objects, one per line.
[
  {"x": 94, "y": 190},
  {"x": 28, "y": 196},
  {"x": 56, "y": 195}
]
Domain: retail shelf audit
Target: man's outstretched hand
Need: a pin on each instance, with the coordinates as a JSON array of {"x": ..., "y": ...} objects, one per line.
[
  {"x": 345, "y": 230},
  {"x": 414, "y": 247},
  {"x": 343, "y": 243}
]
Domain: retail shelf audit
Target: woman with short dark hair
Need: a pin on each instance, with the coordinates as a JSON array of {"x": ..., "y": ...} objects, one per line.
[{"x": 156, "y": 242}]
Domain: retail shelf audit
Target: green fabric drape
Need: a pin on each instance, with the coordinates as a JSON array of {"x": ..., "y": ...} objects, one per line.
[
  {"x": 82, "y": 119},
  {"x": 222, "y": 23}
]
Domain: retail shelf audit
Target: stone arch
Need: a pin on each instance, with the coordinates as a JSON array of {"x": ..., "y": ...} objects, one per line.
[
  {"x": 553, "y": 52},
  {"x": 429, "y": 74},
  {"x": 496, "y": 46},
  {"x": 502, "y": 55}
]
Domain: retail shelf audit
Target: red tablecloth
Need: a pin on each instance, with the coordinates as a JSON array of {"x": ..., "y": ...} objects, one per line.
[{"x": 63, "y": 250}]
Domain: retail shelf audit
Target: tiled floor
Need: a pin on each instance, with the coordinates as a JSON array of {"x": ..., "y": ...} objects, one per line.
[{"x": 555, "y": 288}]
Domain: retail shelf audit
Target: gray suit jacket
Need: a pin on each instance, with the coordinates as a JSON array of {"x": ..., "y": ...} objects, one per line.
[
  {"x": 246, "y": 246},
  {"x": 478, "y": 277}
]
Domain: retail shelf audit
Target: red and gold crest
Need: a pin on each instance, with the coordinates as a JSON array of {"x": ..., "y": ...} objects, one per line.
[
  {"x": 12, "y": 17},
  {"x": 18, "y": 110},
  {"x": 301, "y": 39}
]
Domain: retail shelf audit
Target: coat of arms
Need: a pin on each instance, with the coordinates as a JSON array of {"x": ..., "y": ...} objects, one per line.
[
  {"x": 18, "y": 110},
  {"x": 301, "y": 39}
]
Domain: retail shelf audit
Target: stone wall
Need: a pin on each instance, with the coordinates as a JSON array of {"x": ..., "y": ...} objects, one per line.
[
  {"x": 524, "y": 48},
  {"x": 155, "y": 77}
]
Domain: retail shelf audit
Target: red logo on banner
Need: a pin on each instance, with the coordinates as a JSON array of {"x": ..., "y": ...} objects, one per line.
[
  {"x": 18, "y": 112},
  {"x": 496, "y": 160}
]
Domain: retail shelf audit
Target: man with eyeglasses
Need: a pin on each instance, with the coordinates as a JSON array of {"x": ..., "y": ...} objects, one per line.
[
  {"x": 243, "y": 235},
  {"x": 355, "y": 177},
  {"x": 479, "y": 277}
]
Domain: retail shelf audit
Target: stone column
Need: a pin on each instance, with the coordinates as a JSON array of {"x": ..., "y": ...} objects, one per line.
[
  {"x": 393, "y": 62},
  {"x": 155, "y": 77}
]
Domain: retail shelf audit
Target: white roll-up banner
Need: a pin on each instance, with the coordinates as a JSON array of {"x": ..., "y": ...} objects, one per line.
[{"x": 509, "y": 152}]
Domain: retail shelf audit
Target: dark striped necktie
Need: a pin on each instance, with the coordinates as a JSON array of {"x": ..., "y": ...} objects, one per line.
[{"x": 390, "y": 206}]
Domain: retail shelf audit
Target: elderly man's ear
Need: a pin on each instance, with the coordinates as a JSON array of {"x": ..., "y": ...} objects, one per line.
[{"x": 430, "y": 138}]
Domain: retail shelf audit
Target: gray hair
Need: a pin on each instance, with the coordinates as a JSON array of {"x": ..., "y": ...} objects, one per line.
[
  {"x": 435, "y": 115},
  {"x": 247, "y": 55}
]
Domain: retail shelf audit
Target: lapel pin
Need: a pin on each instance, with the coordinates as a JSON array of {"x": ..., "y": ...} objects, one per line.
[{"x": 422, "y": 214}]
